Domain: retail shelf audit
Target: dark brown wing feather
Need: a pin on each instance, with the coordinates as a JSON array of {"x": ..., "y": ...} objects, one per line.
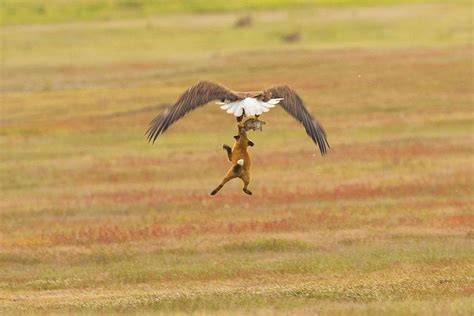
[
  {"x": 293, "y": 104},
  {"x": 194, "y": 97}
]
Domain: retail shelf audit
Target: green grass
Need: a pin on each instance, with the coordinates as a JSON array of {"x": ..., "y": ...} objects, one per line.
[
  {"x": 166, "y": 42},
  {"x": 277, "y": 245},
  {"x": 95, "y": 220},
  {"x": 42, "y": 11}
]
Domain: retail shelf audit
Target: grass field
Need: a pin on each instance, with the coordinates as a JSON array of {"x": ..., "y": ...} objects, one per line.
[{"x": 94, "y": 219}]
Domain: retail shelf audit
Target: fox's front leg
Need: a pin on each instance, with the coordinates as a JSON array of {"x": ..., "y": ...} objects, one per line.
[{"x": 229, "y": 151}]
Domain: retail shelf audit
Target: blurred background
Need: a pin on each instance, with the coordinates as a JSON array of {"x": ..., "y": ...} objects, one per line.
[{"x": 89, "y": 210}]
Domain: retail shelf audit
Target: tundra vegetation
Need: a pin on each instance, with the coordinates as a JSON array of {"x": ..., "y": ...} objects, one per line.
[{"x": 94, "y": 219}]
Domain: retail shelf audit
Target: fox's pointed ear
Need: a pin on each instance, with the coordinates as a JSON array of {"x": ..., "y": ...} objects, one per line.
[
  {"x": 237, "y": 137},
  {"x": 251, "y": 143}
]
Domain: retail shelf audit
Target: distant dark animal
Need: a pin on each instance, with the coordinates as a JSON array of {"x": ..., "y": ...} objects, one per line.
[
  {"x": 240, "y": 104},
  {"x": 243, "y": 21},
  {"x": 292, "y": 37}
]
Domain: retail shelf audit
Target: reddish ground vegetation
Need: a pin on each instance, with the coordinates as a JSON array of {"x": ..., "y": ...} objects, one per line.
[{"x": 111, "y": 233}]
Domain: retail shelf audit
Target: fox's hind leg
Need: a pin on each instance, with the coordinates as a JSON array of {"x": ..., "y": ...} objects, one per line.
[
  {"x": 246, "y": 179},
  {"x": 229, "y": 176}
]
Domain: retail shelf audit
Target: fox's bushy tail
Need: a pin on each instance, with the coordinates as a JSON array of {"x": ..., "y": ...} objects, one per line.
[{"x": 238, "y": 166}]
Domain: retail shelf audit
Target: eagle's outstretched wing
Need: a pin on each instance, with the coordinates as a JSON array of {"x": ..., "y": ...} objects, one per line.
[
  {"x": 196, "y": 96},
  {"x": 293, "y": 104}
]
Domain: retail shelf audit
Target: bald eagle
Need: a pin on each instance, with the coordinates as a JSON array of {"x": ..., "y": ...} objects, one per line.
[{"x": 240, "y": 104}]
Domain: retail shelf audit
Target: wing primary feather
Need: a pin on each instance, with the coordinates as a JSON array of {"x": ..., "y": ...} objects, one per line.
[
  {"x": 196, "y": 96},
  {"x": 293, "y": 105}
]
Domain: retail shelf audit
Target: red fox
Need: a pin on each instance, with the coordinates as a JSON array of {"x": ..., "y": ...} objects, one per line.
[{"x": 240, "y": 159}]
